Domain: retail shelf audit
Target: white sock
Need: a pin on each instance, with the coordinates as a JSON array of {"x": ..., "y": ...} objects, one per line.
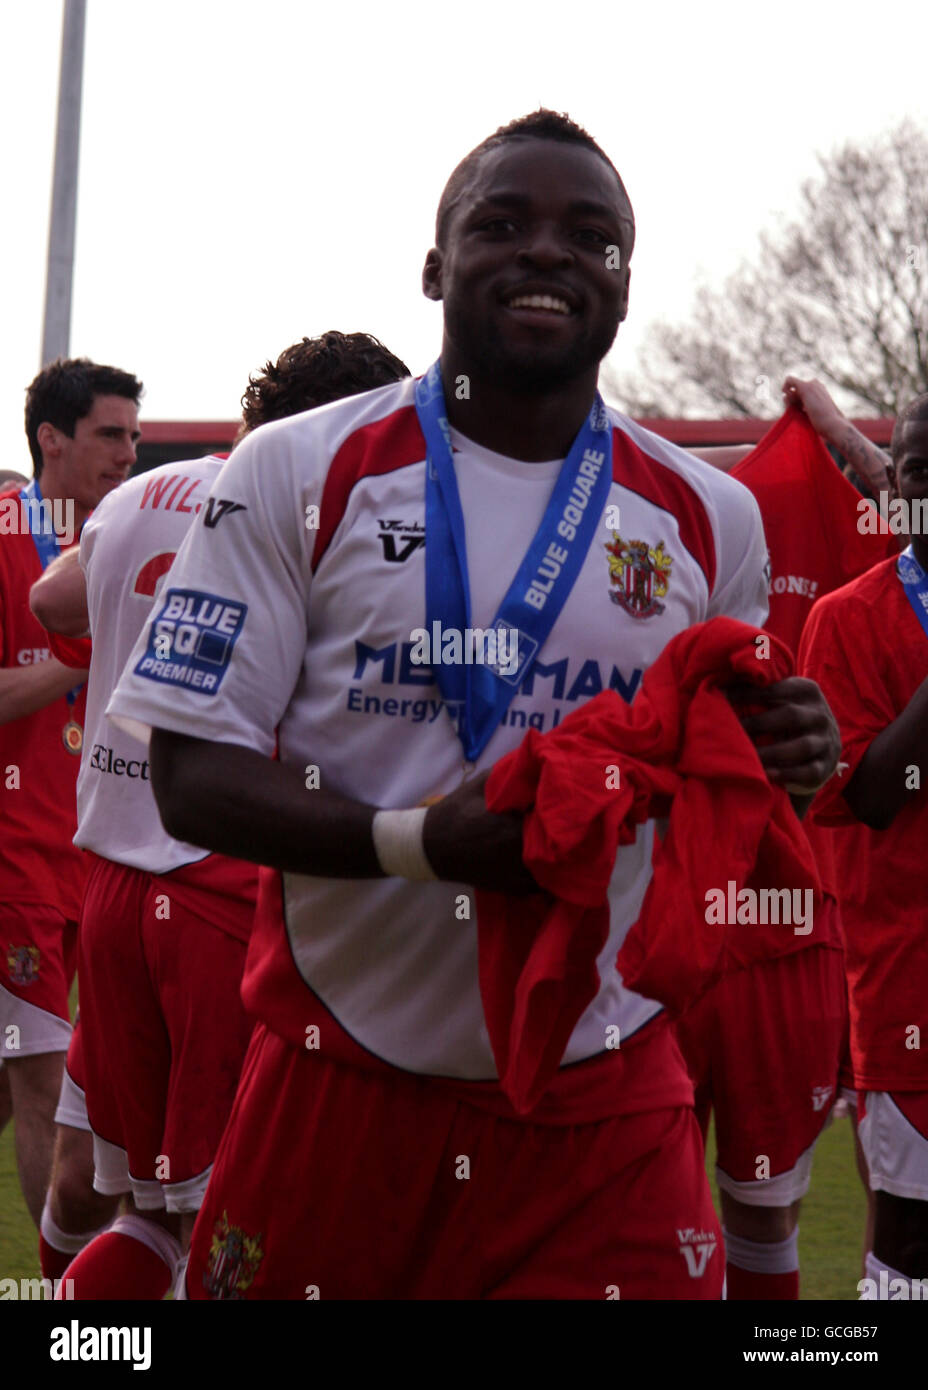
[
  {"x": 763, "y": 1257},
  {"x": 65, "y": 1241},
  {"x": 893, "y": 1284}
]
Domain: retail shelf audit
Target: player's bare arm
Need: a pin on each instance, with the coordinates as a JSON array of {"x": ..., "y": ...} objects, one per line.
[
  {"x": 23, "y": 690},
  {"x": 865, "y": 458},
  {"x": 59, "y": 598},
  {"x": 877, "y": 792},
  {"x": 235, "y": 801},
  {"x": 797, "y": 738}
]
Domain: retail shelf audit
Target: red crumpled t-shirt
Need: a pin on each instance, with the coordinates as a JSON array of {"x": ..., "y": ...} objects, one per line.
[{"x": 681, "y": 752}]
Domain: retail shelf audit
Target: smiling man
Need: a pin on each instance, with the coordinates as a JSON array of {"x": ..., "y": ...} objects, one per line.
[
  {"x": 82, "y": 427},
  {"x": 372, "y": 1152}
]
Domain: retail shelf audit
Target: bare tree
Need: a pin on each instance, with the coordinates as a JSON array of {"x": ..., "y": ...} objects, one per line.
[{"x": 840, "y": 293}]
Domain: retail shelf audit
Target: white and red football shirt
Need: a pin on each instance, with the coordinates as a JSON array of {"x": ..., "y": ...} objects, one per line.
[
  {"x": 866, "y": 649},
  {"x": 292, "y": 616},
  {"x": 127, "y": 547}
]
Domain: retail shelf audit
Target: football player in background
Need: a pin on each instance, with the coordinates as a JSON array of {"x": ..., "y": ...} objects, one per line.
[
  {"x": 161, "y": 1035},
  {"x": 82, "y": 427},
  {"x": 867, "y": 646}
]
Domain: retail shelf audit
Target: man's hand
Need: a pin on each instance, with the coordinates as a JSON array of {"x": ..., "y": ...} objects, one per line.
[
  {"x": 466, "y": 843},
  {"x": 824, "y": 415},
  {"x": 826, "y": 419},
  {"x": 795, "y": 734}
]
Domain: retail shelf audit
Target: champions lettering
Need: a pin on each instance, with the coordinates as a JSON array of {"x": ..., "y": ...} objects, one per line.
[
  {"x": 555, "y": 557},
  {"x": 190, "y": 641}
]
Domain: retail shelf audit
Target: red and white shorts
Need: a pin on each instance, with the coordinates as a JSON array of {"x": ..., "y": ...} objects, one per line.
[
  {"x": 38, "y": 953},
  {"x": 335, "y": 1182},
  {"x": 163, "y": 1031},
  {"x": 893, "y": 1131},
  {"x": 763, "y": 1047}
]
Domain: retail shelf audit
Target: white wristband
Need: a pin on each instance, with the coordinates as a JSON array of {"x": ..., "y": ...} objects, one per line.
[{"x": 398, "y": 844}]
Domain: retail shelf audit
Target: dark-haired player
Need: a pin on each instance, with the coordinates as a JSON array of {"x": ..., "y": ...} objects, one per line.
[
  {"x": 162, "y": 1033},
  {"x": 82, "y": 426},
  {"x": 371, "y": 1152},
  {"x": 315, "y": 371},
  {"x": 867, "y": 646}
]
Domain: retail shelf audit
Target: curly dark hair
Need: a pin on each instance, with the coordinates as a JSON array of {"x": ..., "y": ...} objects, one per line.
[
  {"x": 537, "y": 125},
  {"x": 316, "y": 371},
  {"x": 64, "y": 392}
]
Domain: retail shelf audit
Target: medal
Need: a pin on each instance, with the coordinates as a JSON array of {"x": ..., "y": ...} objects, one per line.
[
  {"x": 72, "y": 736},
  {"x": 481, "y": 691}
]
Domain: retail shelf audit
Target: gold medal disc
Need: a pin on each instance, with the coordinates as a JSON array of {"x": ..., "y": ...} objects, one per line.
[{"x": 72, "y": 735}]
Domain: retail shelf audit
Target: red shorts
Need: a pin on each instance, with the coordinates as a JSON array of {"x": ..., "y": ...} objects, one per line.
[
  {"x": 38, "y": 951},
  {"x": 72, "y": 1102},
  {"x": 334, "y": 1182},
  {"x": 763, "y": 1047},
  {"x": 164, "y": 1032}
]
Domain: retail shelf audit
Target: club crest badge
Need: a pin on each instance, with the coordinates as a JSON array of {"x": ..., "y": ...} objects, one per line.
[
  {"x": 233, "y": 1261},
  {"x": 23, "y": 964},
  {"x": 639, "y": 574}
]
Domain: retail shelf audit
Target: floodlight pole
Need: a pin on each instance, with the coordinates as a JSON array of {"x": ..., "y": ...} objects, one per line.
[{"x": 56, "y": 335}]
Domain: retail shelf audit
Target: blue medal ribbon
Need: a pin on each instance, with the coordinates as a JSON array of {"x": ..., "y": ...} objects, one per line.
[
  {"x": 914, "y": 582},
  {"x": 43, "y": 538},
  {"x": 481, "y": 692}
]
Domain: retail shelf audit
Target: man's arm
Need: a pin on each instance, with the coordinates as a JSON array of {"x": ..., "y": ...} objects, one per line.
[
  {"x": 877, "y": 791},
  {"x": 235, "y": 801},
  {"x": 59, "y": 598},
  {"x": 29, "y": 688},
  {"x": 865, "y": 458}
]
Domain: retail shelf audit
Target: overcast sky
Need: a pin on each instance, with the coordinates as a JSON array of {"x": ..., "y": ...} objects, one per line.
[{"x": 253, "y": 173}]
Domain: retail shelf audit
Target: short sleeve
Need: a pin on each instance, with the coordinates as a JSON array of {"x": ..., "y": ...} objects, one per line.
[
  {"x": 224, "y": 647},
  {"x": 740, "y": 589}
]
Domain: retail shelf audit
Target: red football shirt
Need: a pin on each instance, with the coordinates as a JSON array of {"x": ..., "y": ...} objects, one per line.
[
  {"x": 866, "y": 649},
  {"x": 810, "y": 514},
  {"x": 38, "y": 862}
]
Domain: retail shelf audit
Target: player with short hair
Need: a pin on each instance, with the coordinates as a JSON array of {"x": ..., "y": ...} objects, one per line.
[
  {"x": 82, "y": 427},
  {"x": 867, "y": 646},
  {"x": 315, "y": 371},
  {"x": 371, "y": 1151},
  {"x": 161, "y": 1037}
]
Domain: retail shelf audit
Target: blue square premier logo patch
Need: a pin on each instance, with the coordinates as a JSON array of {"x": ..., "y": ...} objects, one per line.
[{"x": 190, "y": 641}]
